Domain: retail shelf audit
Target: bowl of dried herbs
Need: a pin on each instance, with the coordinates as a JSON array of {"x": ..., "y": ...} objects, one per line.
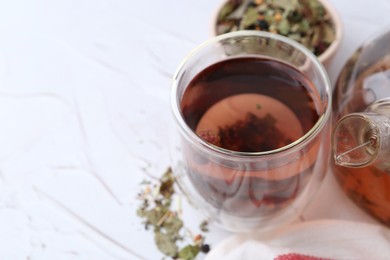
[{"x": 313, "y": 23}]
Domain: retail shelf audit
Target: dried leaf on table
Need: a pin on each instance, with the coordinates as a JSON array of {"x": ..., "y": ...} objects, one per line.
[
  {"x": 189, "y": 252},
  {"x": 165, "y": 244}
]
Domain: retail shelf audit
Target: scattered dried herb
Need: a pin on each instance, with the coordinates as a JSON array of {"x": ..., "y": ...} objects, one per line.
[
  {"x": 156, "y": 210},
  {"x": 305, "y": 21},
  {"x": 189, "y": 252},
  {"x": 204, "y": 226}
]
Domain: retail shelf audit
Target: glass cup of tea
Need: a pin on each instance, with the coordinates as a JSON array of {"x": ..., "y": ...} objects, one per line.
[{"x": 252, "y": 117}]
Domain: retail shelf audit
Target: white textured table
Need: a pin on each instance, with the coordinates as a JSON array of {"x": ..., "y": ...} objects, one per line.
[{"x": 84, "y": 105}]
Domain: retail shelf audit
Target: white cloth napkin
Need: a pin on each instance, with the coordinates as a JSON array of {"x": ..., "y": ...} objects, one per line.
[{"x": 315, "y": 240}]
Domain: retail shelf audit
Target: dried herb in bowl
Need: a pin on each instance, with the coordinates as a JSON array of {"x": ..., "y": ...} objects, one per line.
[{"x": 305, "y": 21}]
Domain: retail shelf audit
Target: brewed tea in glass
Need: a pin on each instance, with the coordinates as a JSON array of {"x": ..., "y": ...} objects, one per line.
[{"x": 252, "y": 114}]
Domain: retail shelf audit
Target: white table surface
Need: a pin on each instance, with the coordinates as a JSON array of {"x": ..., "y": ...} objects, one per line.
[{"x": 84, "y": 106}]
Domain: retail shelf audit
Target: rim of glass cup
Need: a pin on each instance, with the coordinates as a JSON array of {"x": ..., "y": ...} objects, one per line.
[{"x": 175, "y": 100}]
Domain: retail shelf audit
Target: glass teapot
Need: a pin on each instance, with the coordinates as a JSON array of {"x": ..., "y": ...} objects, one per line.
[{"x": 361, "y": 137}]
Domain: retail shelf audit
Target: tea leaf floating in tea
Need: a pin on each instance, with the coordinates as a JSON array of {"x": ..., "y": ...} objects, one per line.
[
  {"x": 305, "y": 21},
  {"x": 156, "y": 210}
]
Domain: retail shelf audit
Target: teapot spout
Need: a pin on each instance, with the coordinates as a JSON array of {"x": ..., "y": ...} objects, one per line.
[{"x": 357, "y": 139}]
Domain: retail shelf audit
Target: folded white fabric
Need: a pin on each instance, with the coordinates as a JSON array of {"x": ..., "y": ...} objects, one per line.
[{"x": 315, "y": 240}]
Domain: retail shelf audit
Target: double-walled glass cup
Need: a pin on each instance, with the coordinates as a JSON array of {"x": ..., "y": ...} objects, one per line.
[{"x": 242, "y": 191}]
